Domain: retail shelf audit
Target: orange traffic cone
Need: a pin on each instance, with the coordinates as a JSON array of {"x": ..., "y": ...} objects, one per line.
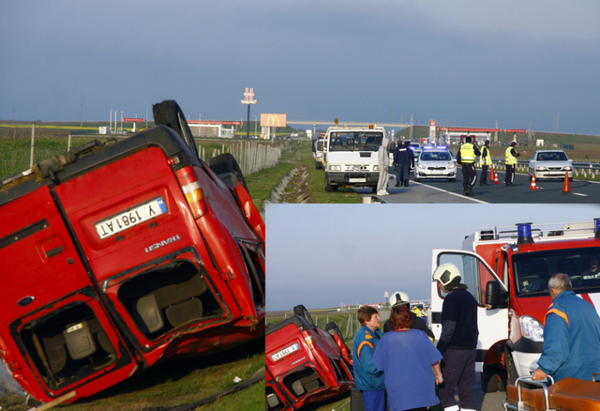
[
  {"x": 495, "y": 175},
  {"x": 566, "y": 186},
  {"x": 533, "y": 186}
]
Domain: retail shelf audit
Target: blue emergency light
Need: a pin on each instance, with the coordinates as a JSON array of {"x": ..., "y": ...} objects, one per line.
[
  {"x": 524, "y": 233},
  {"x": 596, "y": 227}
]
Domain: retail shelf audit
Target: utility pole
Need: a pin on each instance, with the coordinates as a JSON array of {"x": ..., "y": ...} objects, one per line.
[{"x": 82, "y": 111}]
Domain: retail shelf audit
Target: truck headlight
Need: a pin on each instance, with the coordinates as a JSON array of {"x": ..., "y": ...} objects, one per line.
[
  {"x": 541, "y": 169},
  {"x": 531, "y": 328},
  {"x": 375, "y": 168},
  {"x": 421, "y": 166},
  {"x": 568, "y": 168},
  {"x": 335, "y": 168},
  {"x": 450, "y": 166}
]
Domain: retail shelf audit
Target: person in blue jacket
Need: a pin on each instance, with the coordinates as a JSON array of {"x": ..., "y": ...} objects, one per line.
[
  {"x": 367, "y": 377},
  {"x": 571, "y": 335}
]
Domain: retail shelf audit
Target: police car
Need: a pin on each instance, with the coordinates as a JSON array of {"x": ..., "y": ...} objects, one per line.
[{"x": 435, "y": 162}]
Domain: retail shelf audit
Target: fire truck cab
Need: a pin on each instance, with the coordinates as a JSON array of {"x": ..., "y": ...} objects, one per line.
[{"x": 507, "y": 270}]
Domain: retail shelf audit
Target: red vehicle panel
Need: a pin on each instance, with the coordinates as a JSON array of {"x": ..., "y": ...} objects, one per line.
[{"x": 123, "y": 255}]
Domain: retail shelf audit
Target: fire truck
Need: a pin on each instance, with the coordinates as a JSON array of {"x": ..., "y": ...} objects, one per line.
[
  {"x": 507, "y": 270},
  {"x": 305, "y": 364},
  {"x": 117, "y": 256}
]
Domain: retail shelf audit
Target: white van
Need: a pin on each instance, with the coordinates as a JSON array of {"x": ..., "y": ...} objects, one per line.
[{"x": 350, "y": 157}]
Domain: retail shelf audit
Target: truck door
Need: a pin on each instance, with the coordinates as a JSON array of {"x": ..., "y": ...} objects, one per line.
[
  {"x": 53, "y": 323},
  {"x": 476, "y": 274}
]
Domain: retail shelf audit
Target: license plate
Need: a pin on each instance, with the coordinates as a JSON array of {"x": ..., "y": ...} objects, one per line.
[
  {"x": 286, "y": 351},
  {"x": 357, "y": 180},
  {"x": 130, "y": 218}
]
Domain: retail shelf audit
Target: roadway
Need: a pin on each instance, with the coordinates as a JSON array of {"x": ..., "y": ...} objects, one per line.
[{"x": 443, "y": 191}]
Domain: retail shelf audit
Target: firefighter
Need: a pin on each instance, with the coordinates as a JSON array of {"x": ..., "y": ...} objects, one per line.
[
  {"x": 466, "y": 157},
  {"x": 458, "y": 341},
  {"x": 511, "y": 161},
  {"x": 486, "y": 161},
  {"x": 399, "y": 298}
]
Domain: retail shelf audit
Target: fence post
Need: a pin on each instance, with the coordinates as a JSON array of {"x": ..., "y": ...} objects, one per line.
[{"x": 32, "y": 144}]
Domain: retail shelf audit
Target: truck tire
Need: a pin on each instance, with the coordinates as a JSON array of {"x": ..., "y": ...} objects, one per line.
[
  {"x": 329, "y": 188},
  {"x": 453, "y": 180},
  {"x": 417, "y": 179},
  {"x": 489, "y": 378},
  {"x": 373, "y": 189}
]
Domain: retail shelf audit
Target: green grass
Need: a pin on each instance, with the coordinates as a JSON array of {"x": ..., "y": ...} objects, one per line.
[{"x": 181, "y": 382}]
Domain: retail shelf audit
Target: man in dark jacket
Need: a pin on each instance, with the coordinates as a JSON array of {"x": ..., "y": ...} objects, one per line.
[
  {"x": 404, "y": 158},
  {"x": 458, "y": 341}
]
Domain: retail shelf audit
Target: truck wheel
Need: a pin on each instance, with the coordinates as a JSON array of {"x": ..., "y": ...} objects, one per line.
[
  {"x": 374, "y": 190},
  {"x": 453, "y": 180},
  {"x": 328, "y": 188},
  {"x": 417, "y": 179},
  {"x": 489, "y": 378}
]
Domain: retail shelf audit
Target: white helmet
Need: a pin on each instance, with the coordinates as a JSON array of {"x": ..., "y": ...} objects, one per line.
[
  {"x": 446, "y": 273},
  {"x": 399, "y": 298}
]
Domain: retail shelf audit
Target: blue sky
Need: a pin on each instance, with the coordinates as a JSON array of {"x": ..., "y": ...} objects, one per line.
[
  {"x": 466, "y": 63},
  {"x": 323, "y": 255}
]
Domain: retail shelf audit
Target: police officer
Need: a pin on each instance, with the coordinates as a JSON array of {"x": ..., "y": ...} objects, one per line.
[
  {"x": 466, "y": 157},
  {"x": 511, "y": 161},
  {"x": 404, "y": 157},
  {"x": 486, "y": 161}
]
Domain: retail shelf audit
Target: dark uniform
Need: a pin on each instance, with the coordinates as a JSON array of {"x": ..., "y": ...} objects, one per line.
[
  {"x": 458, "y": 345},
  {"x": 404, "y": 157},
  {"x": 486, "y": 161},
  {"x": 466, "y": 157}
]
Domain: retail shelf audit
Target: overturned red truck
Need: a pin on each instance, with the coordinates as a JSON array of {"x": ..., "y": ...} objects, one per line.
[
  {"x": 304, "y": 363},
  {"x": 117, "y": 256}
]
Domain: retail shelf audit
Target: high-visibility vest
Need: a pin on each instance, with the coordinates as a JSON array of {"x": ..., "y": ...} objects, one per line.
[
  {"x": 510, "y": 159},
  {"x": 486, "y": 158},
  {"x": 467, "y": 153}
]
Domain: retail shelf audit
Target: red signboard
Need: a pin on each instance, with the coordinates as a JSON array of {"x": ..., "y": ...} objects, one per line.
[
  {"x": 515, "y": 131},
  {"x": 473, "y": 129},
  {"x": 134, "y": 120}
]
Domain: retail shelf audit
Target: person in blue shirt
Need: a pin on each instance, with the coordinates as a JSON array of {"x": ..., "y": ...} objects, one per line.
[
  {"x": 367, "y": 377},
  {"x": 571, "y": 335},
  {"x": 410, "y": 364}
]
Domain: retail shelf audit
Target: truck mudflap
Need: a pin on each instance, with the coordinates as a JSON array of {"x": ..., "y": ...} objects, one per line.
[{"x": 569, "y": 394}]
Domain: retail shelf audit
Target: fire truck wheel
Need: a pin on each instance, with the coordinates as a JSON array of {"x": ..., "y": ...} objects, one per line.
[{"x": 489, "y": 378}]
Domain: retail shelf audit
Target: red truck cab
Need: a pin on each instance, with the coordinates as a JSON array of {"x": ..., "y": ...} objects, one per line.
[
  {"x": 121, "y": 255},
  {"x": 507, "y": 270},
  {"x": 304, "y": 362}
]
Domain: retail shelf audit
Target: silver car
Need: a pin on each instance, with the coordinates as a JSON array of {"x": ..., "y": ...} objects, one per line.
[
  {"x": 435, "y": 163},
  {"x": 550, "y": 164}
]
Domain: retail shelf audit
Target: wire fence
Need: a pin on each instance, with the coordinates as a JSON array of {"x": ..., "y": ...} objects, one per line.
[{"x": 18, "y": 155}]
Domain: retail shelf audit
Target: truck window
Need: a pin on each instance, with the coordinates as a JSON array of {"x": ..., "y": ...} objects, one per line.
[
  {"x": 355, "y": 141},
  {"x": 474, "y": 274},
  {"x": 533, "y": 270}
]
